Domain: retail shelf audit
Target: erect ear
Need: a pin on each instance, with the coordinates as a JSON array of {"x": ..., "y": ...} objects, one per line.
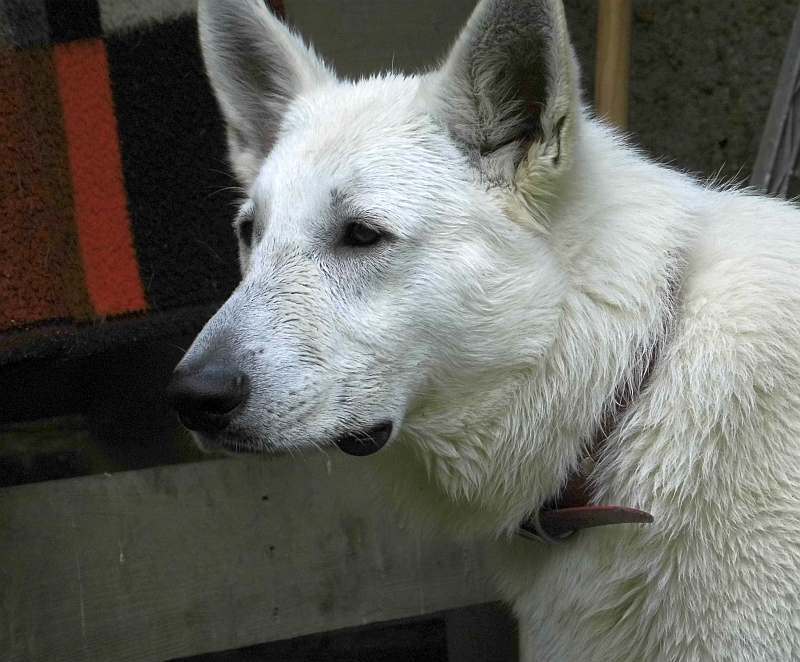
[
  {"x": 256, "y": 66},
  {"x": 508, "y": 90}
]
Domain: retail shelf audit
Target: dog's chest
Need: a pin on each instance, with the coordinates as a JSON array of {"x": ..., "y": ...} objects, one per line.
[{"x": 577, "y": 600}]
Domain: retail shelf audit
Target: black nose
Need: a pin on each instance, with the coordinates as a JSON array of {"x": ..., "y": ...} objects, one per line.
[{"x": 205, "y": 395}]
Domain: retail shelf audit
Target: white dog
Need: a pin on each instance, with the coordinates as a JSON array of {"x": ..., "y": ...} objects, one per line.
[{"x": 468, "y": 270}]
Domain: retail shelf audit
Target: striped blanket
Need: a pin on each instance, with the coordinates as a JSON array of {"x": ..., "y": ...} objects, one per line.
[{"x": 115, "y": 198}]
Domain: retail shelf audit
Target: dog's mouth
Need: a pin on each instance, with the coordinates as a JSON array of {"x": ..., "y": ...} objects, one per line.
[
  {"x": 358, "y": 443},
  {"x": 365, "y": 442},
  {"x": 227, "y": 444}
]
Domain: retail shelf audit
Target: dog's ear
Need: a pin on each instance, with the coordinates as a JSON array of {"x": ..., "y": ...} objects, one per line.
[
  {"x": 508, "y": 91},
  {"x": 256, "y": 66}
]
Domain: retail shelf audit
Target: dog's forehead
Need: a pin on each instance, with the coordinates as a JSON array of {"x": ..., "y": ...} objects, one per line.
[{"x": 372, "y": 141}]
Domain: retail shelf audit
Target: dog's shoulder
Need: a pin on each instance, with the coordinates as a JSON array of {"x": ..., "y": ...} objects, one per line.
[
  {"x": 742, "y": 275},
  {"x": 733, "y": 358}
]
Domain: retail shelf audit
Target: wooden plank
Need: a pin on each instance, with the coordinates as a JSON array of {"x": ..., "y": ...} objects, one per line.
[
  {"x": 780, "y": 143},
  {"x": 180, "y": 560},
  {"x": 614, "y": 19}
]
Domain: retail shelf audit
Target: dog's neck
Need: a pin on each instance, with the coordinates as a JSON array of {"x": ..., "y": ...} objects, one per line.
[
  {"x": 516, "y": 446},
  {"x": 507, "y": 449},
  {"x": 573, "y": 508}
]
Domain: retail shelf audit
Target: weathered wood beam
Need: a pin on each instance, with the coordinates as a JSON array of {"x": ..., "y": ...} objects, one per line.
[
  {"x": 780, "y": 142},
  {"x": 186, "y": 559}
]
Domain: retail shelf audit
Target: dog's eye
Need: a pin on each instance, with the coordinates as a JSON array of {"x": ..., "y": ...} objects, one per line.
[
  {"x": 246, "y": 232},
  {"x": 359, "y": 235}
]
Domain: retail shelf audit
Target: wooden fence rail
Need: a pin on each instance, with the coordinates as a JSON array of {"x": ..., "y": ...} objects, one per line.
[{"x": 180, "y": 560}]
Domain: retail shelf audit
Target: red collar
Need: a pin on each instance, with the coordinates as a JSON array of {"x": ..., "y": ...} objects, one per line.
[{"x": 573, "y": 510}]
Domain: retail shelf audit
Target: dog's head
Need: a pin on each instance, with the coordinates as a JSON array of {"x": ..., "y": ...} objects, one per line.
[{"x": 393, "y": 236}]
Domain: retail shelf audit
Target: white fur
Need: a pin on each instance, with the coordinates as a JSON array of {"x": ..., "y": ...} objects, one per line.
[{"x": 529, "y": 273}]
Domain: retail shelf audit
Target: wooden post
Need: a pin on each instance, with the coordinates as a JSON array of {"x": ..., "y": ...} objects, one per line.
[
  {"x": 613, "y": 60},
  {"x": 780, "y": 143}
]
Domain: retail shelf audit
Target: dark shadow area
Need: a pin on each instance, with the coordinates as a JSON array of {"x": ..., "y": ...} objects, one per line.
[
  {"x": 420, "y": 641},
  {"x": 94, "y": 414},
  {"x": 480, "y": 633}
]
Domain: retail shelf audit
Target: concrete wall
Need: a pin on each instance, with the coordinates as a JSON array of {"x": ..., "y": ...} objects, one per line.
[
  {"x": 702, "y": 71},
  {"x": 703, "y": 74}
]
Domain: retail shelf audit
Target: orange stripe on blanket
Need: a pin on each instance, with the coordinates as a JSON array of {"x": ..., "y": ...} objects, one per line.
[
  {"x": 41, "y": 275},
  {"x": 101, "y": 214}
]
